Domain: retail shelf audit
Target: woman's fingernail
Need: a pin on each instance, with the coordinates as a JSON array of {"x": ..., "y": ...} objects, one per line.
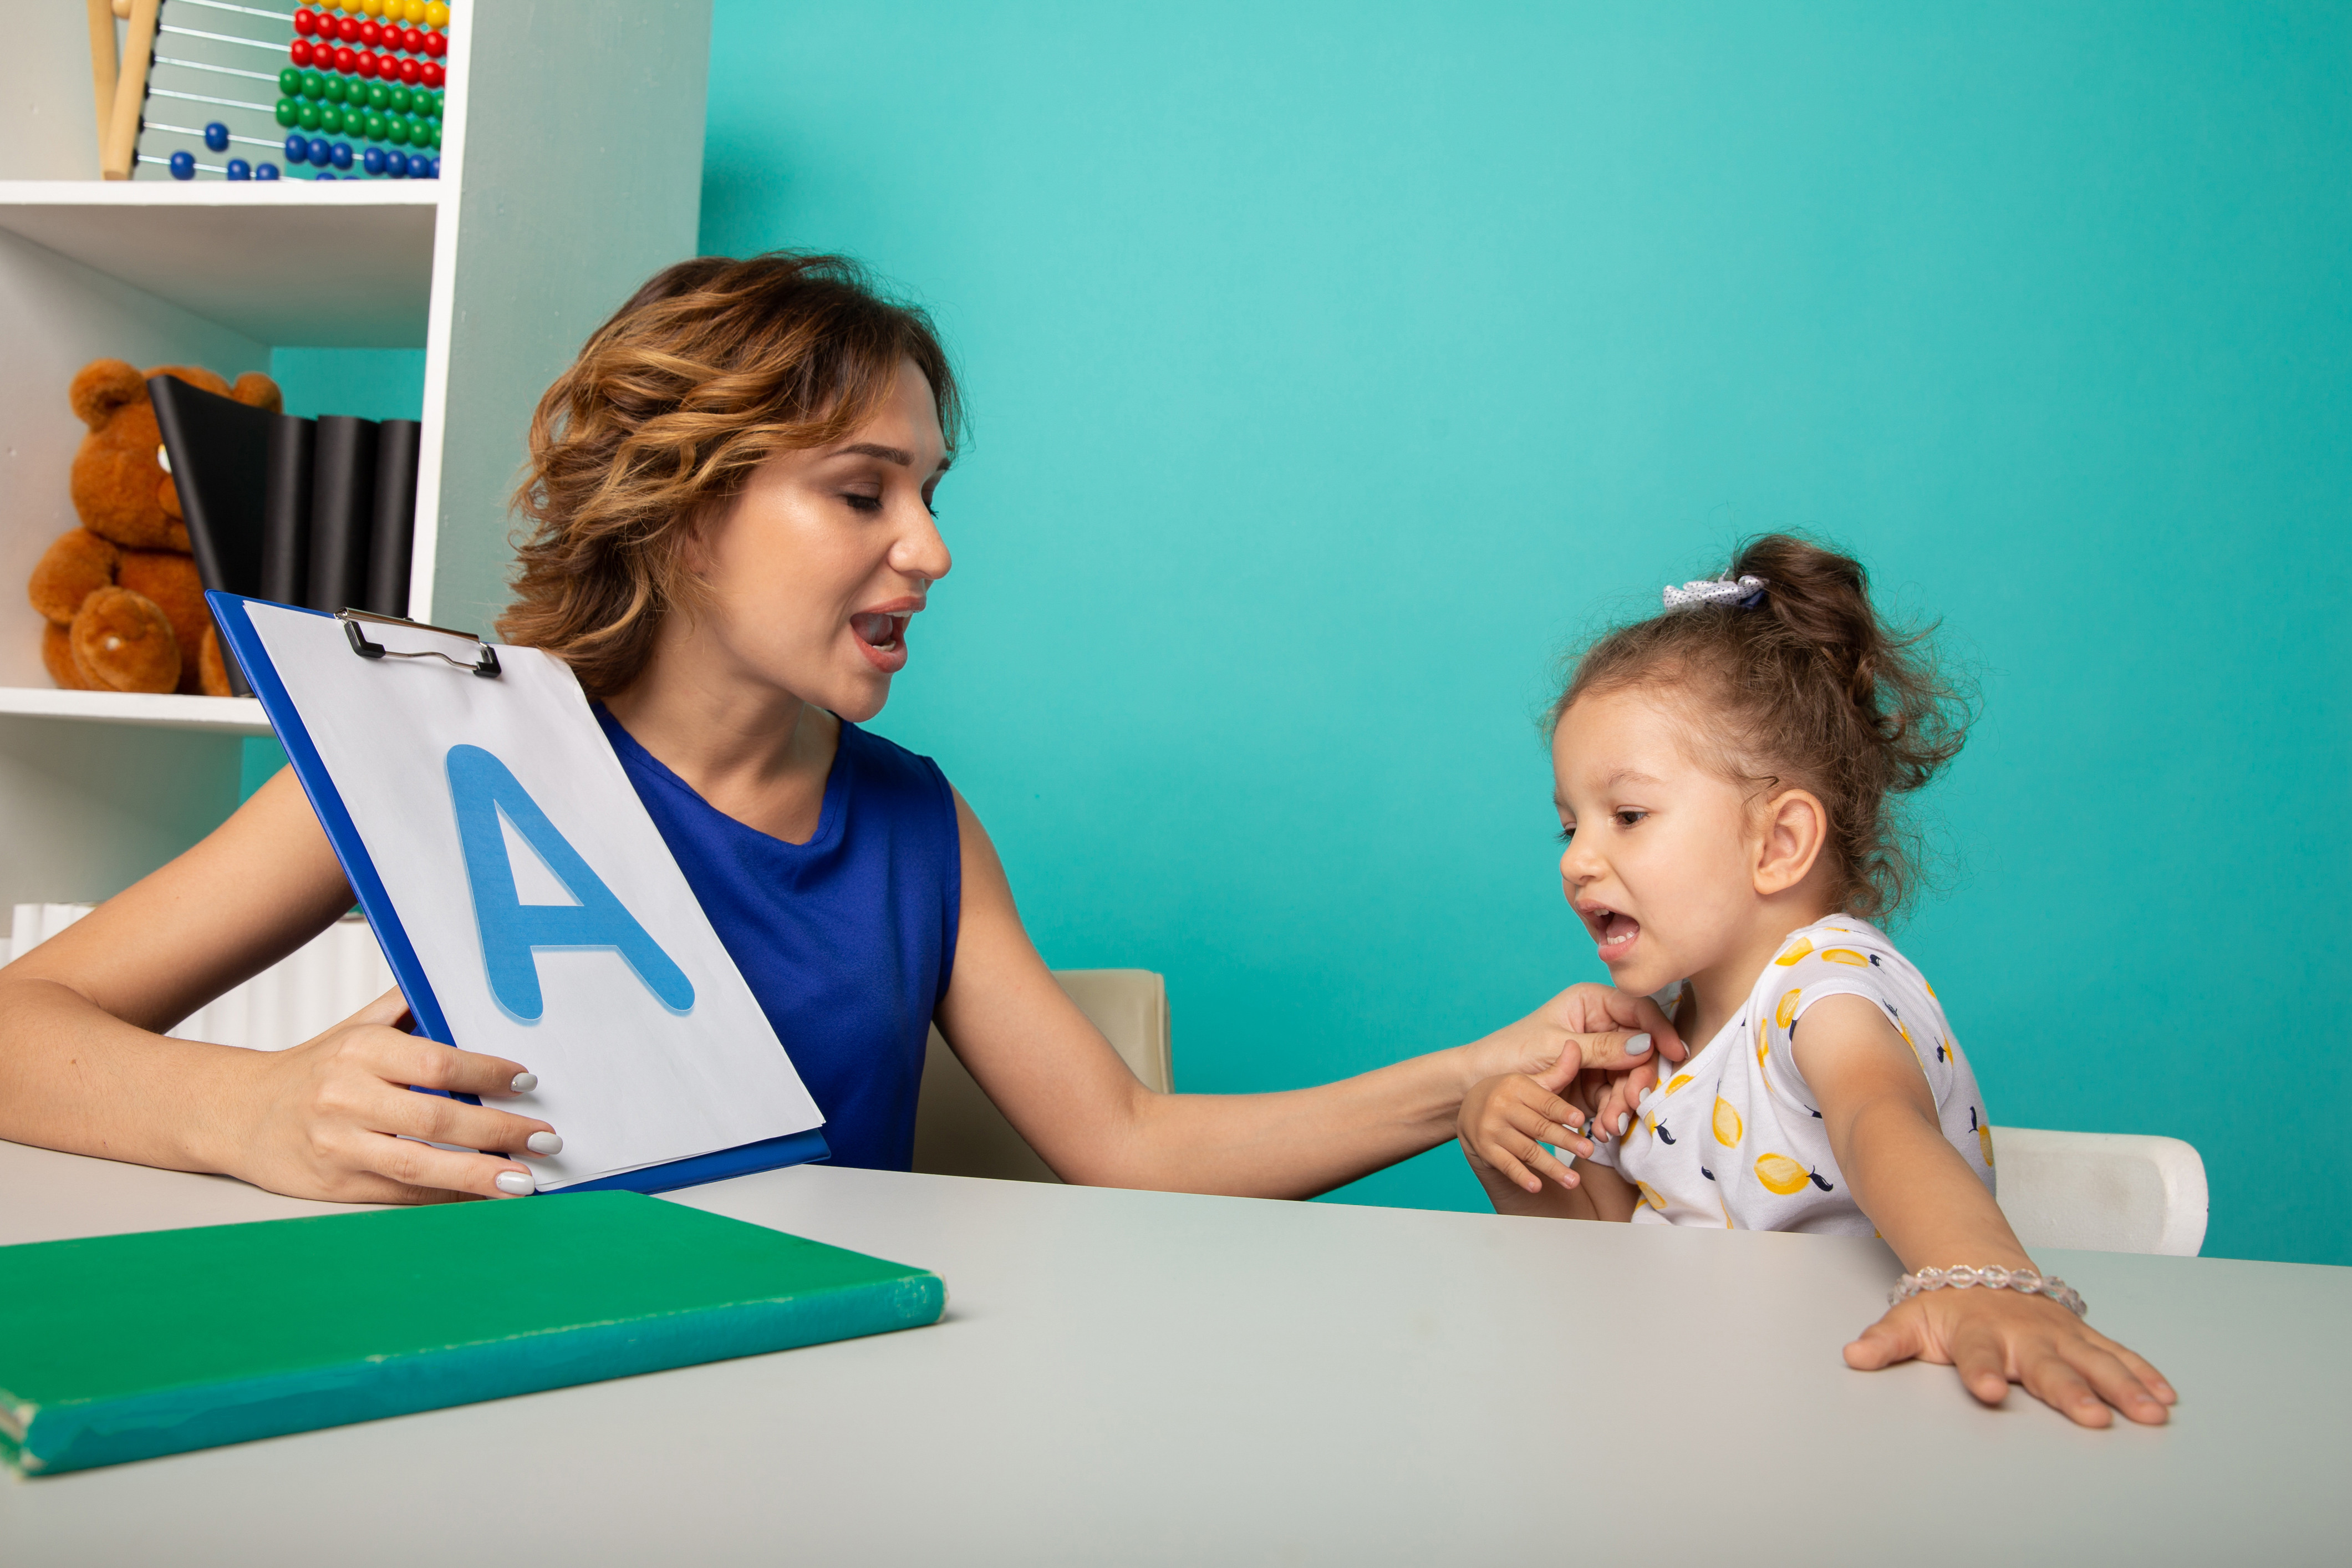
[
  {"x": 1623, "y": 1121},
  {"x": 1638, "y": 1046},
  {"x": 518, "y": 1183},
  {"x": 545, "y": 1143},
  {"x": 524, "y": 1082}
]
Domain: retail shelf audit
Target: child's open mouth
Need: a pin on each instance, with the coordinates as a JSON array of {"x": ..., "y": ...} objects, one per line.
[{"x": 1614, "y": 933}]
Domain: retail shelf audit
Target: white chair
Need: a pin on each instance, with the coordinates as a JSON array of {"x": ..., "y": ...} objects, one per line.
[
  {"x": 959, "y": 1132},
  {"x": 2101, "y": 1192}
]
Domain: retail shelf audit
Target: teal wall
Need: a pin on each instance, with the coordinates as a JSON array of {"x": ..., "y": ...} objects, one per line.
[{"x": 1334, "y": 364}]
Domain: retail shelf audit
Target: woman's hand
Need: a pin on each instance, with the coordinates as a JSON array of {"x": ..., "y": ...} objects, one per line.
[
  {"x": 1506, "y": 1123},
  {"x": 1994, "y": 1338},
  {"x": 334, "y": 1118},
  {"x": 1604, "y": 1029}
]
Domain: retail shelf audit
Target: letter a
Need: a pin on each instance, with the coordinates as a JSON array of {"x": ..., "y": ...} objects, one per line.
[{"x": 481, "y": 787}]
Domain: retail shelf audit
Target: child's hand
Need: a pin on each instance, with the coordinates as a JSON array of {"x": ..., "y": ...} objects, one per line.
[
  {"x": 1505, "y": 1122},
  {"x": 1995, "y": 1338}
]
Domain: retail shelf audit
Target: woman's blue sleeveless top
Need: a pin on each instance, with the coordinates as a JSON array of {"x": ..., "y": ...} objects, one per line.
[{"x": 846, "y": 941}]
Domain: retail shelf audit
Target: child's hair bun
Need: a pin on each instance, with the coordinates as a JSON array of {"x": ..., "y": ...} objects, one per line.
[{"x": 1805, "y": 684}]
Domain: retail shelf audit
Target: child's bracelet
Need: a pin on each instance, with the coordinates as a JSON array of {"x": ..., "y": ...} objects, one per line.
[{"x": 1960, "y": 1277}]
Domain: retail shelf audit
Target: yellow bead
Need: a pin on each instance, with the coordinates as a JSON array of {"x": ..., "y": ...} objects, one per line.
[
  {"x": 372, "y": 7},
  {"x": 437, "y": 15},
  {"x": 412, "y": 13}
]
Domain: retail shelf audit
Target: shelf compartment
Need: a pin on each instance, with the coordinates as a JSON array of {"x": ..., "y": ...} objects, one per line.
[
  {"x": 341, "y": 264},
  {"x": 164, "y": 710}
]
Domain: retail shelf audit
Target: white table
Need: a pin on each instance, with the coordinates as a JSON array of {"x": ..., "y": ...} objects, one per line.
[{"x": 1145, "y": 1378}]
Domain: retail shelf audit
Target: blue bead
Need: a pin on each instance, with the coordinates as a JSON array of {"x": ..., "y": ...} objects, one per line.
[
  {"x": 216, "y": 137},
  {"x": 183, "y": 165},
  {"x": 322, "y": 154},
  {"x": 396, "y": 166},
  {"x": 432, "y": 166},
  {"x": 372, "y": 160},
  {"x": 323, "y": 175},
  {"x": 265, "y": 171},
  {"x": 238, "y": 169},
  {"x": 298, "y": 149},
  {"x": 341, "y": 154}
]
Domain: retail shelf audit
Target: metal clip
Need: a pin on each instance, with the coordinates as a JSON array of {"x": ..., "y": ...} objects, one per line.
[{"x": 487, "y": 666}]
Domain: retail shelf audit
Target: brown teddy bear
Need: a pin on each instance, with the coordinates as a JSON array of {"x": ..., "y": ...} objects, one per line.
[{"x": 125, "y": 607}]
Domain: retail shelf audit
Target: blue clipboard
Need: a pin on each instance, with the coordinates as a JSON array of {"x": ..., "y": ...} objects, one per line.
[{"x": 244, "y": 645}]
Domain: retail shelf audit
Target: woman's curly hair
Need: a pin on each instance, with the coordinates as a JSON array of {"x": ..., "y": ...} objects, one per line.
[
  {"x": 712, "y": 367},
  {"x": 1807, "y": 690}
]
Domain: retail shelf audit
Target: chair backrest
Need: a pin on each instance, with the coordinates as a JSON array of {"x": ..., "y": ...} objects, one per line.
[
  {"x": 959, "y": 1132},
  {"x": 2101, "y": 1192}
]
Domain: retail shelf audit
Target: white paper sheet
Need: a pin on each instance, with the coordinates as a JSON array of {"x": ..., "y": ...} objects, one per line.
[{"x": 628, "y": 1082}]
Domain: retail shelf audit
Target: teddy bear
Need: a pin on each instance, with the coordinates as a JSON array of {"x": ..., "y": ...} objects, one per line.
[{"x": 124, "y": 606}]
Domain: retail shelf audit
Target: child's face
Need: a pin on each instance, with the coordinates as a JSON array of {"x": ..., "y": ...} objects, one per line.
[{"x": 1660, "y": 853}]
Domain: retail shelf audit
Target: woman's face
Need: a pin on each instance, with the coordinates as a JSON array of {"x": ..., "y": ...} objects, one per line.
[{"x": 816, "y": 566}]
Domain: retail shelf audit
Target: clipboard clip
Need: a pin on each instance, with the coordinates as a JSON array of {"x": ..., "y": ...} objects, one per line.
[{"x": 487, "y": 666}]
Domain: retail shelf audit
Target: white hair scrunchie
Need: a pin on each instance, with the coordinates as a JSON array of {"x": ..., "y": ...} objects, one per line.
[{"x": 1746, "y": 594}]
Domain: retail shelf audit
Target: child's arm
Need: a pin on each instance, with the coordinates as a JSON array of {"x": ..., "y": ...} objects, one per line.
[
  {"x": 1503, "y": 1127},
  {"x": 1935, "y": 1212}
]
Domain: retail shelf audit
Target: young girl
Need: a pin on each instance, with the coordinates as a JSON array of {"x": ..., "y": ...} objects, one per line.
[{"x": 1723, "y": 773}]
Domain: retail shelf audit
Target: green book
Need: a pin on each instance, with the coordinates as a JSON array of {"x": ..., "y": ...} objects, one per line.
[{"x": 124, "y": 1347}]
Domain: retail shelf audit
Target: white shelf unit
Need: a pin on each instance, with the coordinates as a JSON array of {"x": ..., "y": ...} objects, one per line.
[{"x": 572, "y": 164}]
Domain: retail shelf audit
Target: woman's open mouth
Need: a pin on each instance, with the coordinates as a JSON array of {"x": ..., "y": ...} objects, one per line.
[
  {"x": 882, "y": 639},
  {"x": 1614, "y": 933}
]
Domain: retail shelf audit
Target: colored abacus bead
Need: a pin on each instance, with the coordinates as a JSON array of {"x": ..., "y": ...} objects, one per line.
[
  {"x": 288, "y": 111},
  {"x": 183, "y": 165},
  {"x": 298, "y": 150},
  {"x": 322, "y": 174},
  {"x": 432, "y": 74},
  {"x": 412, "y": 40},
  {"x": 300, "y": 52},
  {"x": 400, "y": 100},
  {"x": 396, "y": 166},
  {"x": 216, "y": 137},
  {"x": 306, "y": 22},
  {"x": 411, "y": 70},
  {"x": 332, "y": 120},
  {"x": 238, "y": 169},
  {"x": 378, "y": 97},
  {"x": 314, "y": 85},
  {"x": 265, "y": 171},
  {"x": 290, "y": 82},
  {"x": 341, "y": 154},
  {"x": 370, "y": 35},
  {"x": 372, "y": 160},
  {"x": 322, "y": 154},
  {"x": 307, "y": 116},
  {"x": 396, "y": 131},
  {"x": 373, "y": 127},
  {"x": 437, "y": 15},
  {"x": 437, "y": 44},
  {"x": 348, "y": 29},
  {"x": 346, "y": 61}
]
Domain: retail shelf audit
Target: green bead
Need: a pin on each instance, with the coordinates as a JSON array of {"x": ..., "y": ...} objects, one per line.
[
  {"x": 309, "y": 117},
  {"x": 331, "y": 120},
  {"x": 290, "y": 82},
  {"x": 313, "y": 85},
  {"x": 403, "y": 101},
  {"x": 433, "y": 106},
  {"x": 378, "y": 97},
  {"x": 288, "y": 111},
  {"x": 337, "y": 89},
  {"x": 397, "y": 130},
  {"x": 433, "y": 134},
  {"x": 376, "y": 126}
]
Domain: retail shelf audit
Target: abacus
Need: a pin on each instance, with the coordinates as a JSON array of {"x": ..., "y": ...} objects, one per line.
[{"x": 358, "y": 88}]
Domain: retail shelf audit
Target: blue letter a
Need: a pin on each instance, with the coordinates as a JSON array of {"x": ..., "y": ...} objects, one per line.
[{"x": 481, "y": 788}]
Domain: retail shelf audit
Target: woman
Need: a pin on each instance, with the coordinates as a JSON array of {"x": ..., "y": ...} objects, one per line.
[{"x": 730, "y": 499}]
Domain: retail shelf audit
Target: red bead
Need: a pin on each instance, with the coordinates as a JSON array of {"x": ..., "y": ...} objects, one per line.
[
  {"x": 411, "y": 71},
  {"x": 346, "y": 61},
  {"x": 367, "y": 63},
  {"x": 437, "y": 44},
  {"x": 370, "y": 34},
  {"x": 347, "y": 28},
  {"x": 299, "y": 51},
  {"x": 434, "y": 75},
  {"x": 305, "y": 23},
  {"x": 413, "y": 40}
]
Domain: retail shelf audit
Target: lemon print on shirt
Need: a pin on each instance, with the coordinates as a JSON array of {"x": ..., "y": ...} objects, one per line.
[
  {"x": 1651, "y": 1197},
  {"x": 1984, "y": 1140},
  {"x": 1783, "y": 1175},
  {"x": 1804, "y": 947},
  {"x": 1680, "y": 1078},
  {"x": 1726, "y": 1124},
  {"x": 1787, "y": 1012},
  {"x": 1845, "y": 955}
]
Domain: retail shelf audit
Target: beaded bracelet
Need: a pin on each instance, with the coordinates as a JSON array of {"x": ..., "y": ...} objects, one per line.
[{"x": 1960, "y": 1277}]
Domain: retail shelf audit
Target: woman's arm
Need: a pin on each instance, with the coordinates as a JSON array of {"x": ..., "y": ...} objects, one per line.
[
  {"x": 84, "y": 1066},
  {"x": 1066, "y": 1091},
  {"x": 1932, "y": 1209}
]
